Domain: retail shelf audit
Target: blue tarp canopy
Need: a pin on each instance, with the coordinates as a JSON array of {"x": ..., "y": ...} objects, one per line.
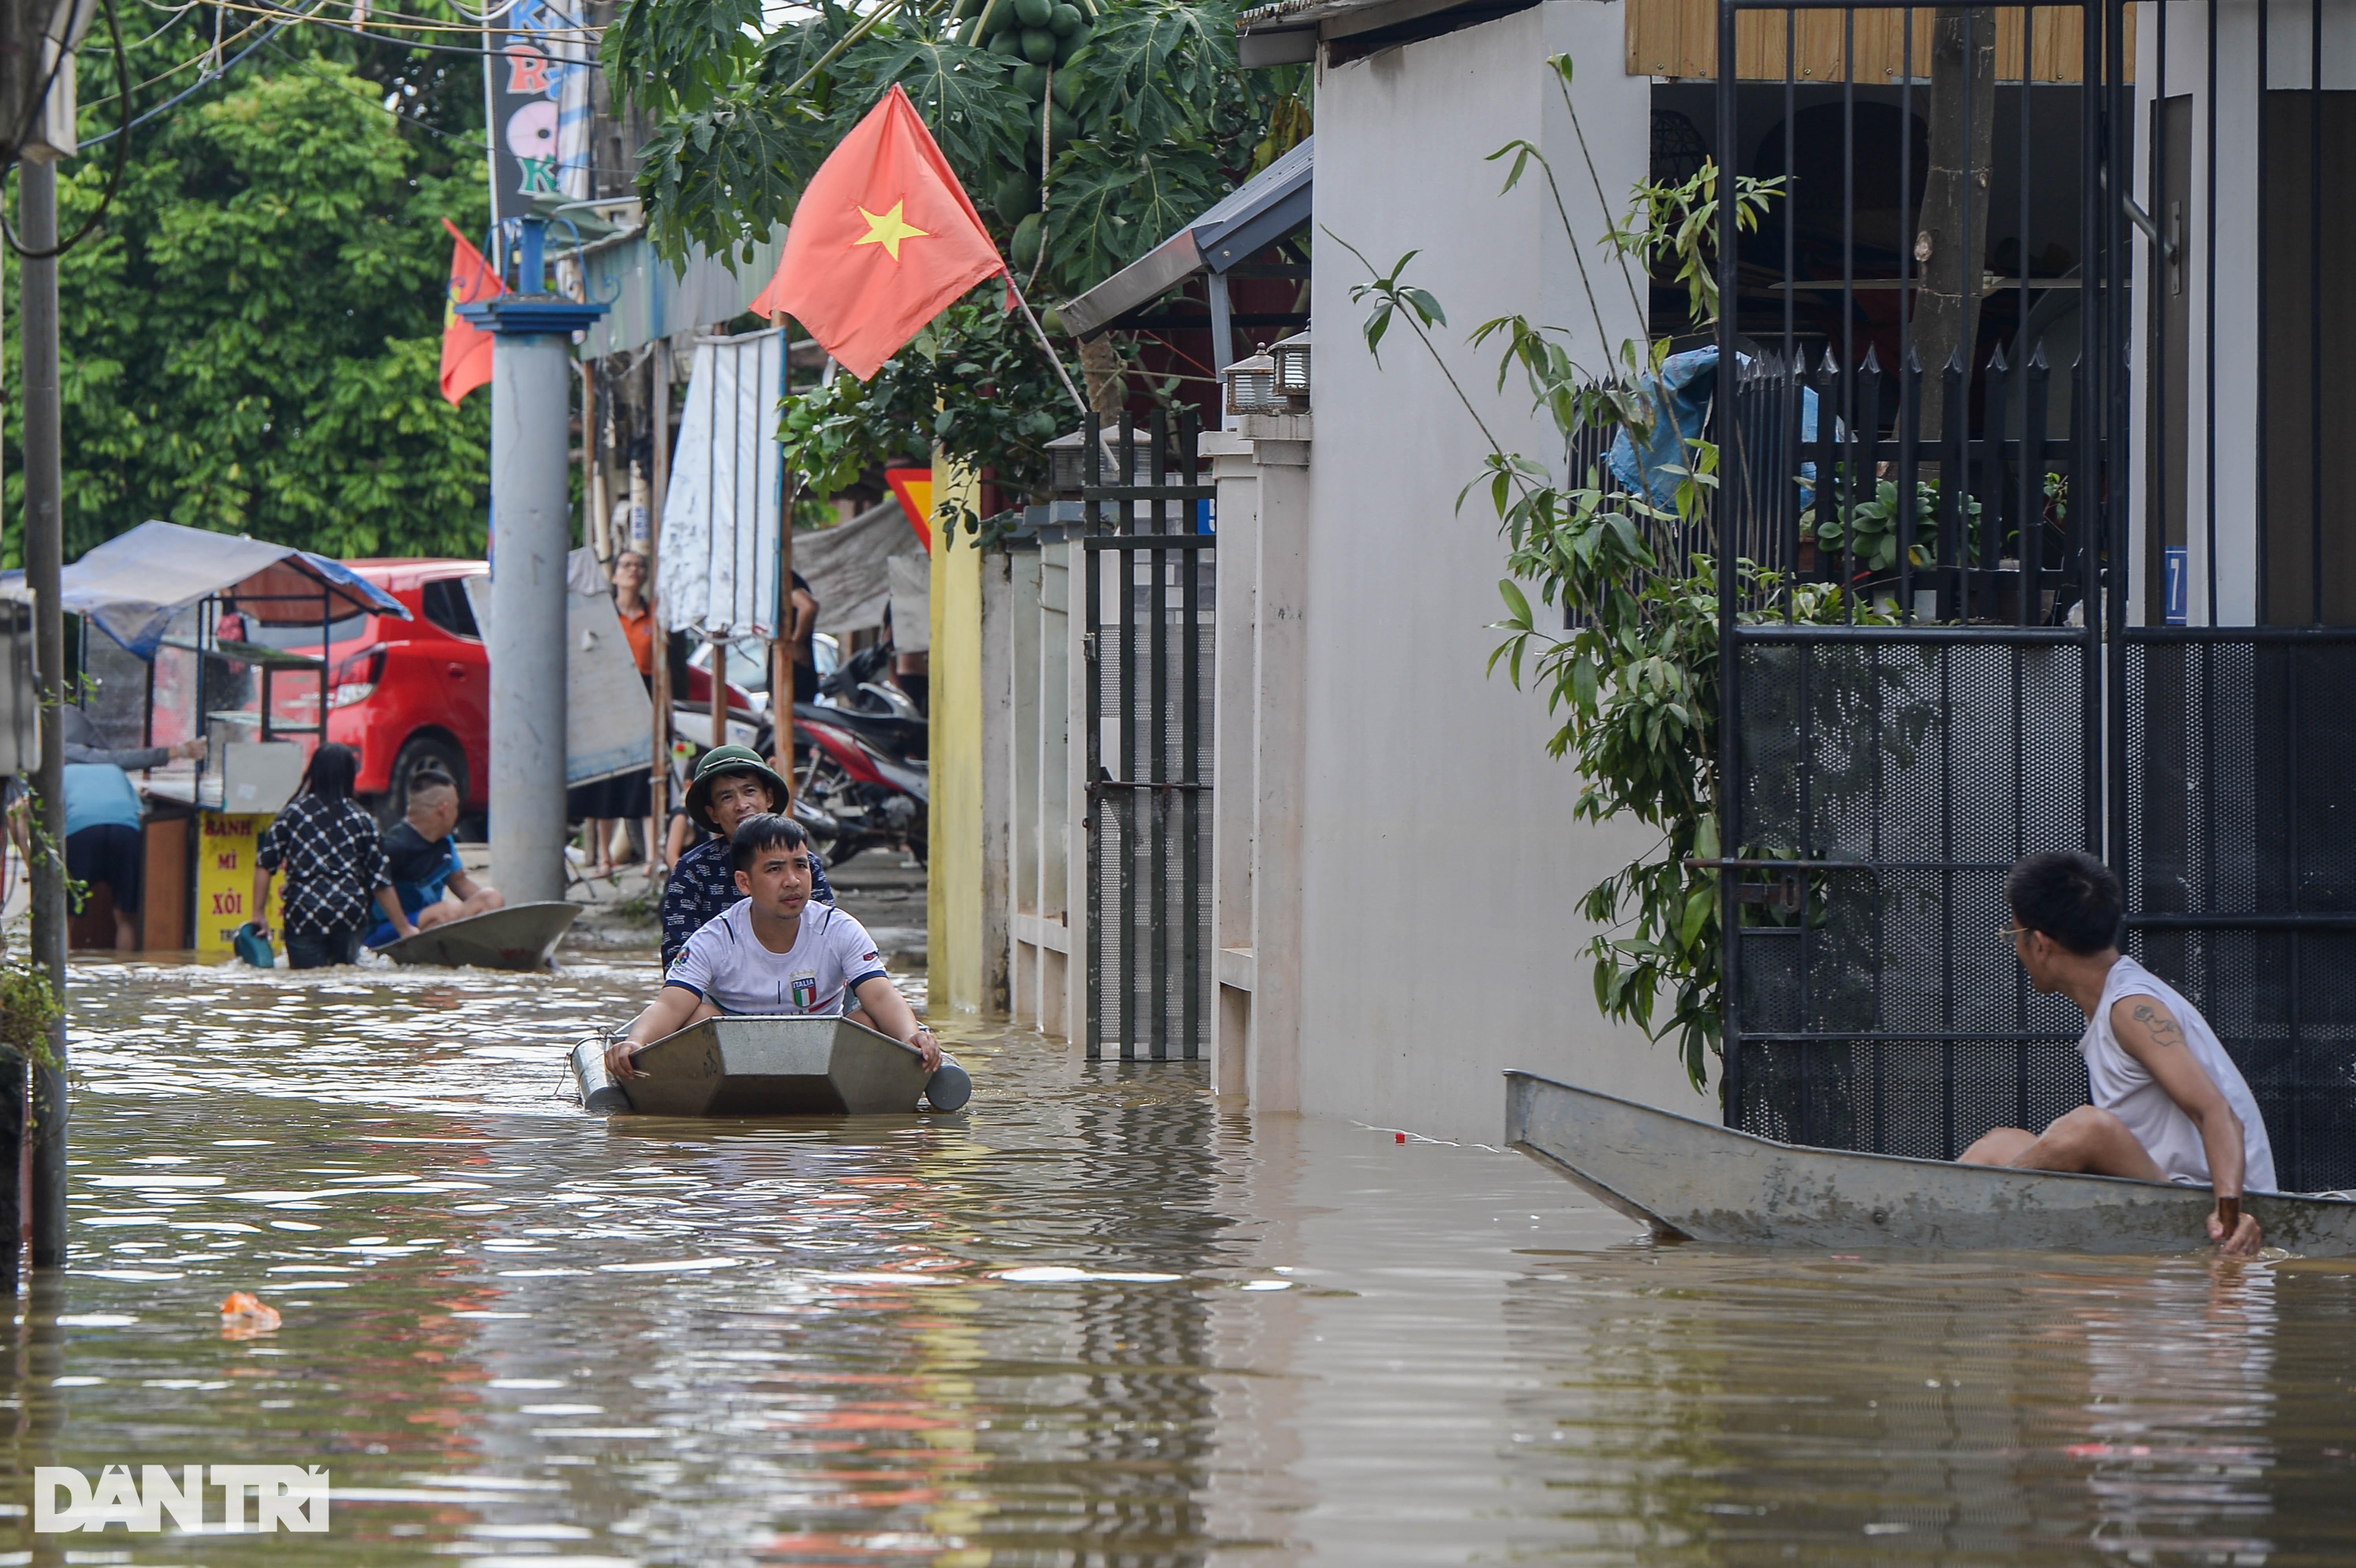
[{"x": 133, "y": 584}]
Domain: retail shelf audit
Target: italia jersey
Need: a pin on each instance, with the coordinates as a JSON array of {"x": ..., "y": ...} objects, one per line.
[{"x": 725, "y": 964}]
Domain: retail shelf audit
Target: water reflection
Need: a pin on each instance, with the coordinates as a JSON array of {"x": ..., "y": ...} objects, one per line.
[{"x": 1096, "y": 1320}]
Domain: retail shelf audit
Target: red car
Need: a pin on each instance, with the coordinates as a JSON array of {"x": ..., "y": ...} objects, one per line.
[{"x": 408, "y": 693}]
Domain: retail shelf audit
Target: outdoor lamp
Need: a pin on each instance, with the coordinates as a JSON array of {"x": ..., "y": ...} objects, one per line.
[
  {"x": 1292, "y": 357},
  {"x": 1251, "y": 386},
  {"x": 1068, "y": 467}
]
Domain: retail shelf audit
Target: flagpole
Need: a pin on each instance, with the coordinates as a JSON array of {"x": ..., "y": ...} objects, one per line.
[{"x": 1053, "y": 357}]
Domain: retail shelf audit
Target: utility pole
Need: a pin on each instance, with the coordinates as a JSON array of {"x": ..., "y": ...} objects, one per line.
[
  {"x": 532, "y": 516},
  {"x": 37, "y": 221}
]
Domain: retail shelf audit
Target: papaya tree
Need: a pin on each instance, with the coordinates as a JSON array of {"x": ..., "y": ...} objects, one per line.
[{"x": 1086, "y": 132}]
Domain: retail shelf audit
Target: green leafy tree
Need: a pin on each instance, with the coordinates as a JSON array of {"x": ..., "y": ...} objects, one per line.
[
  {"x": 251, "y": 336},
  {"x": 1086, "y": 132}
]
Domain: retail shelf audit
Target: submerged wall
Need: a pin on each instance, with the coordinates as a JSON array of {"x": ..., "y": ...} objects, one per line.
[{"x": 1439, "y": 868}]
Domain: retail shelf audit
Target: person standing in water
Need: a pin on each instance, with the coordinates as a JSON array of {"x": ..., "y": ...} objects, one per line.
[{"x": 335, "y": 866}]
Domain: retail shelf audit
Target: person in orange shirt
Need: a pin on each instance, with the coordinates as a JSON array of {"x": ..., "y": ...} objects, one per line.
[{"x": 638, "y": 614}]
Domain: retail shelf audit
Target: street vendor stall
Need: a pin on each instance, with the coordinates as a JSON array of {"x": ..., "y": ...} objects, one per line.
[{"x": 226, "y": 638}]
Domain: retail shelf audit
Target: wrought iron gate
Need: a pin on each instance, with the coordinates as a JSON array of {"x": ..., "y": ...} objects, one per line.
[
  {"x": 1894, "y": 752},
  {"x": 1151, "y": 576}
]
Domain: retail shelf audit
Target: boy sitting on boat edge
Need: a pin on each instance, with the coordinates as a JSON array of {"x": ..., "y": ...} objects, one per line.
[
  {"x": 775, "y": 953},
  {"x": 2168, "y": 1103}
]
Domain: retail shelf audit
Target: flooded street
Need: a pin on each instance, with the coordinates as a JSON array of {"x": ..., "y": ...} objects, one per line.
[{"x": 1094, "y": 1320}]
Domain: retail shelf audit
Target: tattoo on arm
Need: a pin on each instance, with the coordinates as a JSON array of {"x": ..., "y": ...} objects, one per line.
[{"x": 2158, "y": 1024}]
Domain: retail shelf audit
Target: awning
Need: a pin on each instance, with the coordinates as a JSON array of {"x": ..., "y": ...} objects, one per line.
[
  {"x": 845, "y": 565},
  {"x": 133, "y": 584},
  {"x": 1248, "y": 220},
  {"x": 651, "y": 299}
]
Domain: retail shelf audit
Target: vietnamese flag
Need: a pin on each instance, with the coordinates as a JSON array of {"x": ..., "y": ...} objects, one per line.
[
  {"x": 465, "y": 348},
  {"x": 884, "y": 240}
]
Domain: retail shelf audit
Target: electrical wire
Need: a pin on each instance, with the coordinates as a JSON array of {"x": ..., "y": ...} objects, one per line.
[
  {"x": 183, "y": 96},
  {"x": 40, "y": 100},
  {"x": 122, "y": 153},
  {"x": 305, "y": 66},
  {"x": 585, "y": 36}
]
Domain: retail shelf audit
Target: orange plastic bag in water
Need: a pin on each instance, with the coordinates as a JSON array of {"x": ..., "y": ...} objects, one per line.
[{"x": 244, "y": 1316}]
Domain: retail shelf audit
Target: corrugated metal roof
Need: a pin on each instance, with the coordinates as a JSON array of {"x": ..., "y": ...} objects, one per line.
[{"x": 1246, "y": 222}]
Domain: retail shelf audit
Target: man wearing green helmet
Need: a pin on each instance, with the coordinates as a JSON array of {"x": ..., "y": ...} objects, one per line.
[{"x": 732, "y": 783}]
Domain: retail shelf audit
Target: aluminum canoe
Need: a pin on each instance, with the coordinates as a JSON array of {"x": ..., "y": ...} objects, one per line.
[
  {"x": 521, "y": 937},
  {"x": 770, "y": 1067},
  {"x": 1694, "y": 1181}
]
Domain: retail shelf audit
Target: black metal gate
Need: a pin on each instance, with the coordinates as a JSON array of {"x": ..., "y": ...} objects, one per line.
[
  {"x": 1894, "y": 752},
  {"x": 1150, "y": 573}
]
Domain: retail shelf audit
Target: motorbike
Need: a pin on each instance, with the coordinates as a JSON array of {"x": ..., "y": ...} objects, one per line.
[
  {"x": 870, "y": 799},
  {"x": 851, "y": 696}
]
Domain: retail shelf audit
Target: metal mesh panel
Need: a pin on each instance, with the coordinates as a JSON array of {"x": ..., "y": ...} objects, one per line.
[
  {"x": 1887, "y": 1013},
  {"x": 1151, "y": 589},
  {"x": 2240, "y": 865}
]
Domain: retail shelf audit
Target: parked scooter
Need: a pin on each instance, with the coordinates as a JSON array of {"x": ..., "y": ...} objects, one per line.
[
  {"x": 853, "y": 696},
  {"x": 876, "y": 801}
]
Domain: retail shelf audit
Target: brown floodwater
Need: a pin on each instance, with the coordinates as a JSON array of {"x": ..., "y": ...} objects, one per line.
[{"x": 1097, "y": 1319}]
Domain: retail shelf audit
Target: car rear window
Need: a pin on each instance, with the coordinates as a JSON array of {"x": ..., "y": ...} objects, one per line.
[{"x": 446, "y": 606}]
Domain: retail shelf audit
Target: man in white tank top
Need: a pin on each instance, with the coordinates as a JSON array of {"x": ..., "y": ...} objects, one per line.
[{"x": 2168, "y": 1103}]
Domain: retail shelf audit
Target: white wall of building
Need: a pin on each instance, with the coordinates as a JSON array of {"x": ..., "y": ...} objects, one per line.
[
  {"x": 1440, "y": 938},
  {"x": 2226, "y": 260}
]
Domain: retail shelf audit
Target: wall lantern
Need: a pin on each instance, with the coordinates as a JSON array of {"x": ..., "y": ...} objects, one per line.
[
  {"x": 1251, "y": 386},
  {"x": 1067, "y": 460},
  {"x": 1291, "y": 358}
]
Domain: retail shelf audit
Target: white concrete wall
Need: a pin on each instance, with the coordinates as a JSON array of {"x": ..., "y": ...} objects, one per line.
[
  {"x": 2229, "y": 265},
  {"x": 1440, "y": 869}
]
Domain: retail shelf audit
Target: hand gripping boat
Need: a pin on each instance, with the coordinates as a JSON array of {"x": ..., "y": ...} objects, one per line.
[
  {"x": 771, "y": 1067},
  {"x": 521, "y": 937},
  {"x": 1688, "y": 1179}
]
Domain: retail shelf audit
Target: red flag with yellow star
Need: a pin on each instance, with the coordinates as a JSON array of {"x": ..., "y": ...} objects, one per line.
[
  {"x": 884, "y": 240},
  {"x": 465, "y": 348}
]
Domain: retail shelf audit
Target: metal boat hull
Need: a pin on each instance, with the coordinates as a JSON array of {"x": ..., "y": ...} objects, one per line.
[
  {"x": 1692, "y": 1180},
  {"x": 520, "y": 937},
  {"x": 763, "y": 1067}
]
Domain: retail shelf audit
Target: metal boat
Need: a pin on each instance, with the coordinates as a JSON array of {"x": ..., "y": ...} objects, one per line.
[
  {"x": 1691, "y": 1179},
  {"x": 771, "y": 1067},
  {"x": 520, "y": 936}
]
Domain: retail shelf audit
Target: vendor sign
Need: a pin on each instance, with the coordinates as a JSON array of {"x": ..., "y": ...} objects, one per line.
[{"x": 225, "y": 881}]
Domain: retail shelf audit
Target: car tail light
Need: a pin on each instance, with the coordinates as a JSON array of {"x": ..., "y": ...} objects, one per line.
[{"x": 356, "y": 677}]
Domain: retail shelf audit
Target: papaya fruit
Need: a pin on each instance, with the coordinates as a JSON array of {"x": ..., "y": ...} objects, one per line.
[
  {"x": 1025, "y": 250},
  {"x": 1066, "y": 48},
  {"x": 1007, "y": 46},
  {"x": 1039, "y": 45},
  {"x": 1035, "y": 13},
  {"x": 1065, "y": 128},
  {"x": 1068, "y": 89},
  {"x": 1030, "y": 80},
  {"x": 1017, "y": 197},
  {"x": 1065, "y": 20}
]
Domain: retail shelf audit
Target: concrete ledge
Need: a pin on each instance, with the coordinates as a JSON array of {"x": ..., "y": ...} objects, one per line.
[
  {"x": 1238, "y": 968},
  {"x": 1285, "y": 428},
  {"x": 1051, "y": 935}
]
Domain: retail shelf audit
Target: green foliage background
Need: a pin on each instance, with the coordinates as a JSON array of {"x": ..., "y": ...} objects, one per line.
[
  {"x": 1151, "y": 122},
  {"x": 250, "y": 339}
]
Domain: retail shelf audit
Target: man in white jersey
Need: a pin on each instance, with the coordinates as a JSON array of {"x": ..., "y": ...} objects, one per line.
[
  {"x": 774, "y": 953},
  {"x": 2168, "y": 1103}
]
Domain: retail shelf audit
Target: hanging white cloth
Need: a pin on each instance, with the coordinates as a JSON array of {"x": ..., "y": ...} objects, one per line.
[{"x": 718, "y": 552}]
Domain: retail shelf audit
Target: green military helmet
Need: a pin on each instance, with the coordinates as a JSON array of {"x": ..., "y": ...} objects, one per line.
[{"x": 719, "y": 763}]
